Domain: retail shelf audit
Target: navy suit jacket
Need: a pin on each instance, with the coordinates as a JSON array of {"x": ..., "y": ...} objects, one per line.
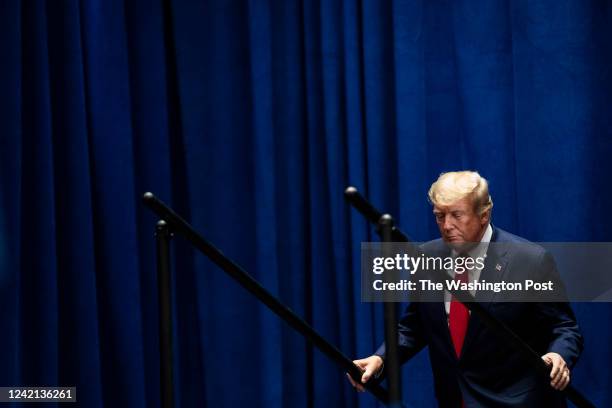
[{"x": 489, "y": 372}]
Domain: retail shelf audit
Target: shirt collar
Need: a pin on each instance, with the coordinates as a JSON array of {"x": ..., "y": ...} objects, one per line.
[{"x": 481, "y": 249}]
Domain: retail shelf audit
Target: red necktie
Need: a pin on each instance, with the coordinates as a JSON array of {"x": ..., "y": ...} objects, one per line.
[{"x": 458, "y": 316}]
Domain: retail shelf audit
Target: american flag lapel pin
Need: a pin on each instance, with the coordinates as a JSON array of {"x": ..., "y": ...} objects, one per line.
[{"x": 498, "y": 267}]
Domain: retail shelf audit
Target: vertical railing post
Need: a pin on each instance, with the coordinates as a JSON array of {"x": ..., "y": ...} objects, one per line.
[
  {"x": 163, "y": 236},
  {"x": 392, "y": 363}
]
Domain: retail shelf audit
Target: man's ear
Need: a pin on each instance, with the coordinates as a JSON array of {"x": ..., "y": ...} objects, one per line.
[{"x": 485, "y": 217}]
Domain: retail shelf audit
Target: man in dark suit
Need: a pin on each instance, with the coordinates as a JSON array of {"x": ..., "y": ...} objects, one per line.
[{"x": 472, "y": 367}]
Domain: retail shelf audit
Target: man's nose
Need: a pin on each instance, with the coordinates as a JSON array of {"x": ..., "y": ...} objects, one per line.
[{"x": 447, "y": 224}]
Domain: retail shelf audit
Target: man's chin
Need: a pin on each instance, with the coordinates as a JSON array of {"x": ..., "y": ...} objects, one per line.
[{"x": 458, "y": 244}]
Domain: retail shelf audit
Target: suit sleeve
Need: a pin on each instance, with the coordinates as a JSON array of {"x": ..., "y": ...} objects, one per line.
[
  {"x": 410, "y": 334},
  {"x": 558, "y": 317}
]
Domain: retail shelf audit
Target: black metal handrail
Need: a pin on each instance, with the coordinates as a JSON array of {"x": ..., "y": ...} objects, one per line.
[{"x": 179, "y": 226}]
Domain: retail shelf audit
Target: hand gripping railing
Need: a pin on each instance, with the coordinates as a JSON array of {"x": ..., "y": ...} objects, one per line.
[
  {"x": 172, "y": 223},
  {"x": 504, "y": 332}
]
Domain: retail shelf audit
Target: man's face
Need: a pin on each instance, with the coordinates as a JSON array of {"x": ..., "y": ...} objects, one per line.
[{"x": 459, "y": 224}]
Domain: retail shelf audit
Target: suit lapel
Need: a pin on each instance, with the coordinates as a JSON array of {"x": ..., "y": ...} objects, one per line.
[
  {"x": 438, "y": 316},
  {"x": 494, "y": 270}
]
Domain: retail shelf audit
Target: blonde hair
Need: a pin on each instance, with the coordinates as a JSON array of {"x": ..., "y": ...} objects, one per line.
[{"x": 455, "y": 185}]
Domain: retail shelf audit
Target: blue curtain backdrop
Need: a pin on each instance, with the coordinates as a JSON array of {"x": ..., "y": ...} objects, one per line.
[{"x": 250, "y": 118}]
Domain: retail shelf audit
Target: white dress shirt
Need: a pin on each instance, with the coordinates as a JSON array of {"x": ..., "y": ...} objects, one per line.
[{"x": 479, "y": 250}]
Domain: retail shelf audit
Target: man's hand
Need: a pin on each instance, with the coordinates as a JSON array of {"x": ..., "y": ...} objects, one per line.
[
  {"x": 560, "y": 374},
  {"x": 370, "y": 367}
]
